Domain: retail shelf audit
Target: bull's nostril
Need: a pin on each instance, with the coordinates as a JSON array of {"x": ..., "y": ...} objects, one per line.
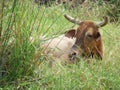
[{"x": 74, "y": 53}]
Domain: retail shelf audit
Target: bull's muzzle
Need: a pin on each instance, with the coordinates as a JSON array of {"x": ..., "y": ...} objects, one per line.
[{"x": 73, "y": 53}]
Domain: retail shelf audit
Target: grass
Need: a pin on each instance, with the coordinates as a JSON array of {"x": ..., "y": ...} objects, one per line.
[{"x": 28, "y": 68}]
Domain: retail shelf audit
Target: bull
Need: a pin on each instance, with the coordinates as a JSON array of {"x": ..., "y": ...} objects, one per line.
[
  {"x": 88, "y": 38},
  {"x": 86, "y": 41}
]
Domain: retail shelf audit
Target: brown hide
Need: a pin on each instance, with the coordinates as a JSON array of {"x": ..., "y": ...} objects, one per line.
[{"x": 88, "y": 38}]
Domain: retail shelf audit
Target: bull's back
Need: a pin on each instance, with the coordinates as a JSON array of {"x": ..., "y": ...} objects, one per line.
[{"x": 59, "y": 46}]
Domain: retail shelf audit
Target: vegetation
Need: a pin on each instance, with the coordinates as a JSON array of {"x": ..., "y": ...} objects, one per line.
[
  {"x": 113, "y": 9},
  {"x": 23, "y": 64}
]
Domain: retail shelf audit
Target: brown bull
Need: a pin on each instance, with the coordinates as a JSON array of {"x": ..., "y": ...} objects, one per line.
[{"x": 88, "y": 38}]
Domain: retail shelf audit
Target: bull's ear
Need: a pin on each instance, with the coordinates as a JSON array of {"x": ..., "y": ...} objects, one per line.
[
  {"x": 71, "y": 33},
  {"x": 98, "y": 36}
]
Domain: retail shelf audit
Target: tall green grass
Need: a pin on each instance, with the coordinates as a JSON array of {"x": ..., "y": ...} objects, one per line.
[
  {"x": 28, "y": 68},
  {"x": 17, "y": 52}
]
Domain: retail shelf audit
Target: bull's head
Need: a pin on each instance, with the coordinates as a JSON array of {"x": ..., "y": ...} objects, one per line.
[{"x": 88, "y": 38}]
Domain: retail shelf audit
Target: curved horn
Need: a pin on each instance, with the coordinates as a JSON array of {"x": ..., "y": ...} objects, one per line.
[
  {"x": 103, "y": 23},
  {"x": 73, "y": 20}
]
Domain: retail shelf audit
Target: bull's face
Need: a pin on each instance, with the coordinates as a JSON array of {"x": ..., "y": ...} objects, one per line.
[{"x": 87, "y": 38}]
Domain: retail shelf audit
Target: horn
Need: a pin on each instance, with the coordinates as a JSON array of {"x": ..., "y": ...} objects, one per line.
[
  {"x": 102, "y": 23},
  {"x": 71, "y": 19}
]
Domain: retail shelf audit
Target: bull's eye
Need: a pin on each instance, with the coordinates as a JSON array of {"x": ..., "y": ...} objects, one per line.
[{"x": 90, "y": 36}]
